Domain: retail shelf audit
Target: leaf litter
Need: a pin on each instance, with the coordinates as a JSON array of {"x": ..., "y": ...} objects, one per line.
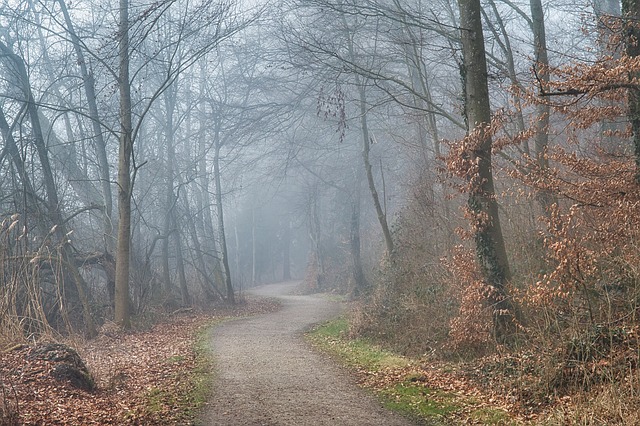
[{"x": 142, "y": 377}]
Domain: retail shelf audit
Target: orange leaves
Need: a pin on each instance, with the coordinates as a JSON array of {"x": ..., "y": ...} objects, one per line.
[{"x": 470, "y": 330}]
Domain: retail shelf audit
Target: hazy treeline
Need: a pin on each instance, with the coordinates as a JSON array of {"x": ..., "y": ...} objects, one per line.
[{"x": 174, "y": 153}]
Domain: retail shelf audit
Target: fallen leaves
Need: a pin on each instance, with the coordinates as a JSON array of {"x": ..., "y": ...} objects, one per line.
[{"x": 143, "y": 378}]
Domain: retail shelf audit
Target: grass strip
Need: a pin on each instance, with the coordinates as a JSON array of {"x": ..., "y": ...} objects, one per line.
[
  {"x": 395, "y": 381},
  {"x": 180, "y": 401}
]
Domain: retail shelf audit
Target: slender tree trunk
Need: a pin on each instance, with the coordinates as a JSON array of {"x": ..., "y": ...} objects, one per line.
[
  {"x": 182, "y": 276},
  {"x": 170, "y": 198},
  {"x": 100, "y": 147},
  {"x": 286, "y": 249},
  {"x": 31, "y": 201},
  {"x": 541, "y": 141},
  {"x": 254, "y": 248},
  {"x": 366, "y": 148},
  {"x": 490, "y": 248},
  {"x": 206, "y": 280},
  {"x": 360, "y": 282},
  {"x": 315, "y": 234},
  {"x": 125, "y": 150},
  {"x": 221, "y": 233},
  {"x": 366, "y": 145},
  {"x": 209, "y": 242}
]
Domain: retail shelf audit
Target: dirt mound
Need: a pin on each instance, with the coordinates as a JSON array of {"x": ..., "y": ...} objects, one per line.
[{"x": 65, "y": 365}]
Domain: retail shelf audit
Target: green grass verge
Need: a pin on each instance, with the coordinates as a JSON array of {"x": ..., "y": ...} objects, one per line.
[
  {"x": 192, "y": 392},
  {"x": 332, "y": 337},
  {"x": 409, "y": 396}
]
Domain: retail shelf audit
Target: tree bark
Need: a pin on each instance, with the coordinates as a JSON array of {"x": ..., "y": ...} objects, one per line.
[
  {"x": 221, "y": 233},
  {"x": 631, "y": 15},
  {"x": 125, "y": 151},
  {"x": 541, "y": 141},
  {"x": 490, "y": 247}
]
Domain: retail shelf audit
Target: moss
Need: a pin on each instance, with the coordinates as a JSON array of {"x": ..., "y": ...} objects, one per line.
[
  {"x": 333, "y": 337},
  {"x": 186, "y": 399},
  {"x": 410, "y": 397}
]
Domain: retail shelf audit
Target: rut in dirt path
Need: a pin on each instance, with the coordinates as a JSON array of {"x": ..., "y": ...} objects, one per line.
[{"x": 266, "y": 374}]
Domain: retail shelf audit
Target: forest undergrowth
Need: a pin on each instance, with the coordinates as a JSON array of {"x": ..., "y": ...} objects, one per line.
[{"x": 571, "y": 221}]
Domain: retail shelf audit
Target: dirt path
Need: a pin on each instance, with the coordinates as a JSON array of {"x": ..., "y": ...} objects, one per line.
[{"x": 268, "y": 375}]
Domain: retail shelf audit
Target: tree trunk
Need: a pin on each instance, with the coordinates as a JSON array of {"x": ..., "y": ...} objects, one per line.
[
  {"x": 490, "y": 248},
  {"x": 286, "y": 249},
  {"x": 541, "y": 141},
  {"x": 100, "y": 145},
  {"x": 125, "y": 150},
  {"x": 631, "y": 14},
  {"x": 315, "y": 234},
  {"x": 254, "y": 248},
  {"x": 366, "y": 145},
  {"x": 366, "y": 148},
  {"x": 170, "y": 198},
  {"x": 360, "y": 284},
  {"x": 182, "y": 276},
  {"x": 221, "y": 233},
  {"x": 53, "y": 206},
  {"x": 209, "y": 241}
]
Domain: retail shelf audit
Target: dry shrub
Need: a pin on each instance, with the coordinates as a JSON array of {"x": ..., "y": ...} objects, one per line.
[
  {"x": 411, "y": 305},
  {"x": 610, "y": 404},
  {"x": 9, "y": 408},
  {"x": 24, "y": 309},
  {"x": 333, "y": 277},
  {"x": 581, "y": 308},
  {"x": 471, "y": 328},
  {"x": 410, "y": 319}
]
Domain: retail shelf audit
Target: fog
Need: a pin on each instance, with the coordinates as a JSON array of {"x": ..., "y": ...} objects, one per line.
[{"x": 274, "y": 142}]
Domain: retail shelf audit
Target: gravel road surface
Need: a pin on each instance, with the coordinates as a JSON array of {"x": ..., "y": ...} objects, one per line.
[{"x": 266, "y": 374}]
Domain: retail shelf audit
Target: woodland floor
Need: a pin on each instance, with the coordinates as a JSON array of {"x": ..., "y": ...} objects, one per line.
[
  {"x": 264, "y": 373},
  {"x": 142, "y": 377}
]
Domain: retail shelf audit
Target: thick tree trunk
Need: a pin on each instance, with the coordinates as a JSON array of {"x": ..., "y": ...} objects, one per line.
[
  {"x": 631, "y": 14},
  {"x": 490, "y": 248},
  {"x": 125, "y": 150}
]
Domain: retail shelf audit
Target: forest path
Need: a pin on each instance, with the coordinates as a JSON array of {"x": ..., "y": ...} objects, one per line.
[{"x": 266, "y": 374}]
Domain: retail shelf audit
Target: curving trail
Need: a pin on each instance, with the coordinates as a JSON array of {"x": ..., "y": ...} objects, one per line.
[{"x": 266, "y": 374}]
